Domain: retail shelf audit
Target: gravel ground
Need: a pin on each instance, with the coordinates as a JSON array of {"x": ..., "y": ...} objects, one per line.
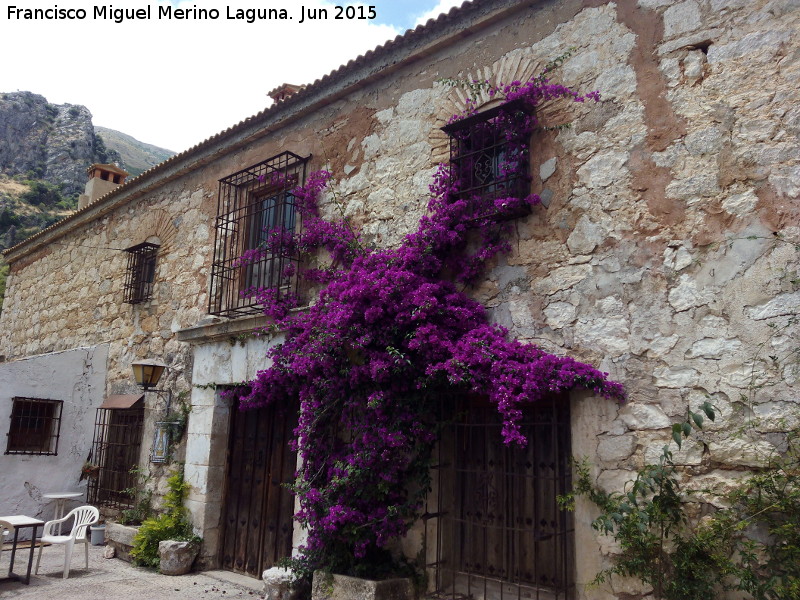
[{"x": 111, "y": 579}]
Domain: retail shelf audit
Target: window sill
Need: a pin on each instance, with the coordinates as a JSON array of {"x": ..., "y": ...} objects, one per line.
[{"x": 219, "y": 328}]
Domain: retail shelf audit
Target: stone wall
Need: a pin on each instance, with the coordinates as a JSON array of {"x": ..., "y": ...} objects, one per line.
[{"x": 664, "y": 251}]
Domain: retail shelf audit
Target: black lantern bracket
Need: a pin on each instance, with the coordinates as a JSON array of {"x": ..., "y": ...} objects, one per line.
[{"x": 147, "y": 374}]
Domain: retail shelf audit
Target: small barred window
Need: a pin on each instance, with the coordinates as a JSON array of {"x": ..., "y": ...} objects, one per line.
[
  {"x": 35, "y": 426},
  {"x": 141, "y": 273},
  {"x": 489, "y": 159}
]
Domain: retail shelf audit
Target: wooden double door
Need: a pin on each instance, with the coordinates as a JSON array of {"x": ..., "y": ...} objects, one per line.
[
  {"x": 501, "y": 533},
  {"x": 258, "y": 507}
]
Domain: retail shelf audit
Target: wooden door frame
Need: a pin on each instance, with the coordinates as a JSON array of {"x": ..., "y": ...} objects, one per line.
[{"x": 275, "y": 510}]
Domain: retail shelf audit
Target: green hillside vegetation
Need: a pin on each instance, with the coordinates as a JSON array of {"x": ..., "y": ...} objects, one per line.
[
  {"x": 29, "y": 205},
  {"x": 136, "y": 157}
]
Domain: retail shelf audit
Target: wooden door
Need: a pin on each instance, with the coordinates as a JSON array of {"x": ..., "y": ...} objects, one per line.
[
  {"x": 501, "y": 533},
  {"x": 258, "y": 507}
]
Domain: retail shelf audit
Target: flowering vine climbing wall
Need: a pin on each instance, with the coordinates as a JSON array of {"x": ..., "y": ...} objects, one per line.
[{"x": 392, "y": 333}]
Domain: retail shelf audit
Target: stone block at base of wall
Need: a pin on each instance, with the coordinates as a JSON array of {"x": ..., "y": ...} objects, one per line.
[
  {"x": 341, "y": 587},
  {"x": 176, "y": 558},
  {"x": 120, "y": 537},
  {"x": 277, "y": 584}
]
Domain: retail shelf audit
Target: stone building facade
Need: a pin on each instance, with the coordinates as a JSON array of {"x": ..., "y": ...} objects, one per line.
[{"x": 664, "y": 252}]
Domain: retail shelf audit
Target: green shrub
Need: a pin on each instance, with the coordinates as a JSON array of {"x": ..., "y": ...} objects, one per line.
[
  {"x": 8, "y": 218},
  {"x": 172, "y": 524},
  {"x": 140, "y": 511},
  {"x": 42, "y": 194},
  {"x": 101, "y": 153},
  {"x": 751, "y": 546}
]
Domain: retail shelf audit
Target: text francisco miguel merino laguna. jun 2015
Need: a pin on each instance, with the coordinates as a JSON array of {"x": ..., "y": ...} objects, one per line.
[{"x": 300, "y": 13}]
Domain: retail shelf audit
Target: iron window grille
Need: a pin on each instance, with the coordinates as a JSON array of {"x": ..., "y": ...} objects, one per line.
[
  {"x": 141, "y": 273},
  {"x": 115, "y": 450},
  {"x": 489, "y": 159},
  {"x": 35, "y": 426},
  {"x": 493, "y": 528},
  {"x": 255, "y": 217}
]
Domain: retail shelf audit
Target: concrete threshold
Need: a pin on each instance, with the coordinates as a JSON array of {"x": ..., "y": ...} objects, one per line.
[{"x": 237, "y": 579}]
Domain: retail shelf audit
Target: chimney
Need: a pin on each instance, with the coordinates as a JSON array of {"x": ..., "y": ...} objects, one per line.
[
  {"x": 282, "y": 92},
  {"x": 102, "y": 179}
]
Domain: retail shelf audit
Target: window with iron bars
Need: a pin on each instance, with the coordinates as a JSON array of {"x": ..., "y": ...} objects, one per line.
[
  {"x": 115, "y": 449},
  {"x": 489, "y": 159},
  {"x": 255, "y": 219},
  {"x": 494, "y": 530},
  {"x": 141, "y": 273},
  {"x": 35, "y": 426}
]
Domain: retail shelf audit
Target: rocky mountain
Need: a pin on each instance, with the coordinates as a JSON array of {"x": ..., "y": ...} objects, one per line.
[
  {"x": 53, "y": 143},
  {"x": 56, "y": 143},
  {"x": 136, "y": 156},
  {"x": 45, "y": 150}
]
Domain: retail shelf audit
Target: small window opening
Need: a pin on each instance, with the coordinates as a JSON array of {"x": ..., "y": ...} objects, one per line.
[
  {"x": 35, "y": 426},
  {"x": 702, "y": 46},
  {"x": 489, "y": 159},
  {"x": 141, "y": 272}
]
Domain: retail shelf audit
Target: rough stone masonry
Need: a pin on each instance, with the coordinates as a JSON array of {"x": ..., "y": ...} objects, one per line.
[{"x": 665, "y": 250}]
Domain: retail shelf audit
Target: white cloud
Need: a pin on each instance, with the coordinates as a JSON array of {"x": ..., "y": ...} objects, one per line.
[
  {"x": 442, "y": 7},
  {"x": 174, "y": 83}
]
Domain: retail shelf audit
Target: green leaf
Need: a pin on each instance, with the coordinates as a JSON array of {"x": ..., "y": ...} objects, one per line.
[
  {"x": 686, "y": 428},
  {"x": 676, "y": 433},
  {"x": 698, "y": 419},
  {"x": 709, "y": 410}
]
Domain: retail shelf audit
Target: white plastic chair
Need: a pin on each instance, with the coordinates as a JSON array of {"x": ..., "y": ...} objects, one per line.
[{"x": 84, "y": 517}]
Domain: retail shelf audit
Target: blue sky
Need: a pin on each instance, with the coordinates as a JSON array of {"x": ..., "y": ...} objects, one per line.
[
  {"x": 175, "y": 83},
  {"x": 402, "y": 13}
]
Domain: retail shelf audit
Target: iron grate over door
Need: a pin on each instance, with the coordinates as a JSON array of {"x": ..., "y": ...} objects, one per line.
[
  {"x": 498, "y": 531},
  {"x": 258, "y": 508},
  {"x": 115, "y": 450}
]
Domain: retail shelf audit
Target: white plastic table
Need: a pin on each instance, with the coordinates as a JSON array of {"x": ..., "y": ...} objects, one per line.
[
  {"x": 61, "y": 500},
  {"x": 21, "y": 522}
]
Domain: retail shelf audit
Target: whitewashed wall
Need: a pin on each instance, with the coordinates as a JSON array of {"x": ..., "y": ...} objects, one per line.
[{"x": 76, "y": 377}]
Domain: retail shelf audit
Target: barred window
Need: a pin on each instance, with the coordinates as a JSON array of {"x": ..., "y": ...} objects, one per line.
[
  {"x": 252, "y": 250},
  {"x": 115, "y": 450},
  {"x": 489, "y": 159},
  {"x": 141, "y": 273},
  {"x": 35, "y": 426}
]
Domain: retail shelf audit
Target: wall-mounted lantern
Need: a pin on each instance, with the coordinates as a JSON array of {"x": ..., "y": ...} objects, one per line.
[{"x": 147, "y": 374}]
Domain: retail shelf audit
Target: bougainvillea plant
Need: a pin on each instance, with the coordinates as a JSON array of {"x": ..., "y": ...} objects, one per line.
[{"x": 390, "y": 335}]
